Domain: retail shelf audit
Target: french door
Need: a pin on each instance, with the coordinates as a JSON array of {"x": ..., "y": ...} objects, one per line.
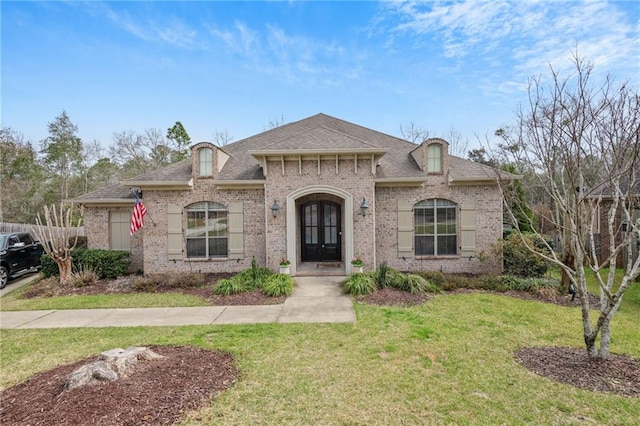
[{"x": 321, "y": 232}]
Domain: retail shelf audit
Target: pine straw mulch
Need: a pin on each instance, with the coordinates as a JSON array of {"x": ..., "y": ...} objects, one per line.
[
  {"x": 617, "y": 374},
  {"x": 49, "y": 287},
  {"x": 159, "y": 392}
]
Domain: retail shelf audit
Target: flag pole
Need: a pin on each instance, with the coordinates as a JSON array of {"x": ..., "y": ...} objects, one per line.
[{"x": 138, "y": 199}]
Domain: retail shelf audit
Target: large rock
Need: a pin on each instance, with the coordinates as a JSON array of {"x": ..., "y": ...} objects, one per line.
[{"x": 112, "y": 365}]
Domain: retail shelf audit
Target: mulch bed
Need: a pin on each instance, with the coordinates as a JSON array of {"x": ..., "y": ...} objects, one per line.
[
  {"x": 160, "y": 392},
  {"x": 50, "y": 287},
  {"x": 617, "y": 374}
]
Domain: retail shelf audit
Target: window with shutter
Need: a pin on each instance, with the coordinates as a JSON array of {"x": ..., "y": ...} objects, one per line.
[
  {"x": 435, "y": 228},
  {"x": 207, "y": 230}
]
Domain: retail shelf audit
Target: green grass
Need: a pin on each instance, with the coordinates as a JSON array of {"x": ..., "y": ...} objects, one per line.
[
  {"x": 12, "y": 301},
  {"x": 449, "y": 361}
]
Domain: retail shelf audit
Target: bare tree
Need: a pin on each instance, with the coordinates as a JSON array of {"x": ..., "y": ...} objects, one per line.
[
  {"x": 275, "y": 122},
  {"x": 57, "y": 238},
  {"x": 583, "y": 142},
  {"x": 413, "y": 133},
  {"x": 222, "y": 137},
  {"x": 458, "y": 144},
  {"x": 140, "y": 153}
]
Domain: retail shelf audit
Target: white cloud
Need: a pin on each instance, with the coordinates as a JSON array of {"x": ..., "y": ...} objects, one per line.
[{"x": 522, "y": 38}]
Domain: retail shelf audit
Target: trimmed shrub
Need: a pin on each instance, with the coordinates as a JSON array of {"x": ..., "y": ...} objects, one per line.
[
  {"x": 227, "y": 286},
  {"x": 415, "y": 284},
  {"x": 519, "y": 260},
  {"x": 277, "y": 285},
  {"x": 106, "y": 263},
  {"x": 360, "y": 283}
]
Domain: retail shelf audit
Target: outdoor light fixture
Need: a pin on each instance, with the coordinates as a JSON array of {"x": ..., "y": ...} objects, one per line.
[
  {"x": 363, "y": 207},
  {"x": 274, "y": 208}
]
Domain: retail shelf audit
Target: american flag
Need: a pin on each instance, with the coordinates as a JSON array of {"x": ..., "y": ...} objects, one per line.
[{"x": 137, "y": 217}]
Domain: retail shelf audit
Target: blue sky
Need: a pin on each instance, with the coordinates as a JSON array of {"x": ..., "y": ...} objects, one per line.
[{"x": 236, "y": 66}]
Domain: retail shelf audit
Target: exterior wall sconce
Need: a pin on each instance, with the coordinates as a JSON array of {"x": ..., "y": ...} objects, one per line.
[
  {"x": 274, "y": 208},
  {"x": 364, "y": 206}
]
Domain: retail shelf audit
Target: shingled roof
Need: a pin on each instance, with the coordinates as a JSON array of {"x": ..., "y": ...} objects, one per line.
[{"x": 318, "y": 132}]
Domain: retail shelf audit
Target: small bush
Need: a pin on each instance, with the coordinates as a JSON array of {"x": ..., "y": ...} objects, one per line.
[
  {"x": 49, "y": 267},
  {"x": 384, "y": 275},
  {"x": 415, "y": 284},
  {"x": 448, "y": 282},
  {"x": 227, "y": 286},
  {"x": 360, "y": 283},
  {"x": 84, "y": 277},
  {"x": 253, "y": 278},
  {"x": 180, "y": 280},
  {"x": 277, "y": 285},
  {"x": 519, "y": 260},
  {"x": 145, "y": 284}
]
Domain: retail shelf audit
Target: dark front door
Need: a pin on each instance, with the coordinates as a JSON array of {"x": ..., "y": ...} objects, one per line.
[{"x": 321, "y": 232}]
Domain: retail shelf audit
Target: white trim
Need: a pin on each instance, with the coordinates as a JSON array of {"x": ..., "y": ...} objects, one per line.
[{"x": 292, "y": 252}]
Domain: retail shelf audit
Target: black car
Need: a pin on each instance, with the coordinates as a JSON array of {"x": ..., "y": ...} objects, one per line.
[{"x": 19, "y": 253}]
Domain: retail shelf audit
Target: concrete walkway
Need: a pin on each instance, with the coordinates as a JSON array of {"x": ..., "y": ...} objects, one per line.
[{"x": 315, "y": 299}]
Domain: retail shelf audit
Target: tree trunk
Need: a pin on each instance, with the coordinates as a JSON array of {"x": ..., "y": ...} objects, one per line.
[
  {"x": 565, "y": 280},
  {"x": 65, "y": 266}
]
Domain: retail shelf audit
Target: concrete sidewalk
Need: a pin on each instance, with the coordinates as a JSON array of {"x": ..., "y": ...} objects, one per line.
[{"x": 315, "y": 299}]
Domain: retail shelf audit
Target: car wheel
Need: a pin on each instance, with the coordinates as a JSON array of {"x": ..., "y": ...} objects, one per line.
[{"x": 4, "y": 276}]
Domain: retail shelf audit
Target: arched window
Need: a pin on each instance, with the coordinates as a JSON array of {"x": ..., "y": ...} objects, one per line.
[
  {"x": 434, "y": 158},
  {"x": 205, "y": 162},
  {"x": 435, "y": 227},
  {"x": 206, "y": 234}
]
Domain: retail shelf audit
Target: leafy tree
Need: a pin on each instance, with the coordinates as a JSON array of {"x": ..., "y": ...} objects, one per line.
[
  {"x": 62, "y": 151},
  {"x": 179, "y": 136},
  {"x": 568, "y": 127},
  {"x": 21, "y": 178}
]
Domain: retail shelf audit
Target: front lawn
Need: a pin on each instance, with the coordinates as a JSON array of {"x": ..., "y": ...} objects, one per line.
[{"x": 449, "y": 361}]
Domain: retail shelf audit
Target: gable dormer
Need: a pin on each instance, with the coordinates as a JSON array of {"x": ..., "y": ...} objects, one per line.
[
  {"x": 432, "y": 156},
  {"x": 207, "y": 160}
]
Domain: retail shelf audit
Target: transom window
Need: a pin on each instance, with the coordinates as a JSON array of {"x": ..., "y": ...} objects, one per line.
[
  {"x": 435, "y": 227},
  {"x": 205, "y": 162},
  {"x": 434, "y": 158},
  {"x": 207, "y": 227}
]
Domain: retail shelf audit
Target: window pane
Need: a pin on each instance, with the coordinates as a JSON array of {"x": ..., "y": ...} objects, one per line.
[
  {"x": 217, "y": 226},
  {"x": 196, "y": 224},
  {"x": 217, "y": 247},
  {"x": 446, "y": 245},
  {"x": 446, "y": 221},
  {"x": 424, "y": 246},
  {"x": 196, "y": 247}
]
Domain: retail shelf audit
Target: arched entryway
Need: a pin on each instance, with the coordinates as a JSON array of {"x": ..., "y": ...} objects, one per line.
[{"x": 330, "y": 219}]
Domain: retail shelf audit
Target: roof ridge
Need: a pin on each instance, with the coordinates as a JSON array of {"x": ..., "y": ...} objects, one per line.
[{"x": 320, "y": 126}]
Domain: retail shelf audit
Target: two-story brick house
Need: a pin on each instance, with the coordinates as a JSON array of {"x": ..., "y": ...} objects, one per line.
[{"x": 320, "y": 190}]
